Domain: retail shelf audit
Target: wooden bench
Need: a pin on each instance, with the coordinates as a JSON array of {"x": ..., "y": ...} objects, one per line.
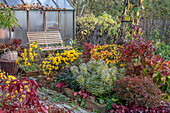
[{"x": 48, "y": 40}]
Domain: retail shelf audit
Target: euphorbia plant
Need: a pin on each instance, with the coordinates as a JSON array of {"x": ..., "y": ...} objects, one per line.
[{"x": 95, "y": 77}]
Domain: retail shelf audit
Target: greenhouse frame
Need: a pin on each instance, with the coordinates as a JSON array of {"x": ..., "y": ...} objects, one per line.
[{"x": 41, "y": 15}]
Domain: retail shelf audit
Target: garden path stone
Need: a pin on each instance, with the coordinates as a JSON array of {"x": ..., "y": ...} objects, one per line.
[{"x": 54, "y": 98}]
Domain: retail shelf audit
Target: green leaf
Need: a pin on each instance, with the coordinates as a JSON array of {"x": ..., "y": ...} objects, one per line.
[
  {"x": 137, "y": 9},
  {"x": 145, "y": 70},
  {"x": 155, "y": 74}
]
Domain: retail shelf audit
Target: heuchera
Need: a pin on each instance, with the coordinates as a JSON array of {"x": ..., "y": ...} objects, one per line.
[
  {"x": 14, "y": 46},
  {"x": 138, "y": 109},
  {"x": 86, "y": 52}
]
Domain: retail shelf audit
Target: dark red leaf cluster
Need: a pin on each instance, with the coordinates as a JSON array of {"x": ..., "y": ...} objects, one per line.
[
  {"x": 60, "y": 84},
  {"x": 14, "y": 46},
  {"x": 16, "y": 42},
  {"x": 160, "y": 66},
  {"x": 86, "y": 52},
  {"x": 13, "y": 93},
  {"x": 82, "y": 94},
  {"x": 139, "y": 89},
  {"x": 136, "y": 54},
  {"x": 138, "y": 109}
]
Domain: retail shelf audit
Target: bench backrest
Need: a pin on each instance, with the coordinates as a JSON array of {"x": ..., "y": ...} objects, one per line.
[{"x": 45, "y": 38}]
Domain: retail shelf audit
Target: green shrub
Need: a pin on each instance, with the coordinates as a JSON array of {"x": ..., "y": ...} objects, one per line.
[
  {"x": 96, "y": 76},
  {"x": 112, "y": 7},
  {"x": 162, "y": 49},
  {"x": 140, "y": 90},
  {"x": 96, "y": 30}
]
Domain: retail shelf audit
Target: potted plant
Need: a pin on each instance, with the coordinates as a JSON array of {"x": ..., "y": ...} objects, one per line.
[
  {"x": 7, "y": 20},
  {"x": 30, "y": 60}
]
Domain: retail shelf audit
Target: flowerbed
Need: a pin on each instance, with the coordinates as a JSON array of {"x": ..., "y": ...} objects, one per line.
[{"x": 117, "y": 71}]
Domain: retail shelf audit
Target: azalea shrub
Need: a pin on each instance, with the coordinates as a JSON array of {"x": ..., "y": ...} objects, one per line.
[
  {"x": 95, "y": 77},
  {"x": 133, "y": 108},
  {"x": 31, "y": 58},
  {"x": 56, "y": 63},
  {"x": 109, "y": 53},
  {"x": 140, "y": 90},
  {"x": 86, "y": 55}
]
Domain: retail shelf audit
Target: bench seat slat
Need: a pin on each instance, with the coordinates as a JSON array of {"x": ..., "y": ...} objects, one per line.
[
  {"x": 58, "y": 48},
  {"x": 46, "y": 38}
]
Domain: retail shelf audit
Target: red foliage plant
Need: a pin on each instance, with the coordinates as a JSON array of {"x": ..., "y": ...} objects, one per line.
[
  {"x": 139, "y": 89},
  {"x": 138, "y": 109},
  {"x": 14, "y": 46},
  {"x": 21, "y": 96},
  {"x": 135, "y": 54},
  {"x": 161, "y": 71},
  {"x": 61, "y": 84},
  {"x": 86, "y": 52},
  {"x": 160, "y": 66}
]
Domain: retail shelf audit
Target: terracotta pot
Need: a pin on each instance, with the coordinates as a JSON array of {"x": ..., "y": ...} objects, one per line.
[{"x": 3, "y": 33}]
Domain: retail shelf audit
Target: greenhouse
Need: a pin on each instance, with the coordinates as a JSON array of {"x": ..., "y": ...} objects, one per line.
[{"x": 41, "y": 15}]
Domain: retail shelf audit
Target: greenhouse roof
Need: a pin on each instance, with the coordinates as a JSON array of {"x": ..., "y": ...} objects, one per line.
[{"x": 38, "y": 4}]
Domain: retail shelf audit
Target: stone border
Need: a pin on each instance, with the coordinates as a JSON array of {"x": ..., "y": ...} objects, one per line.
[{"x": 70, "y": 93}]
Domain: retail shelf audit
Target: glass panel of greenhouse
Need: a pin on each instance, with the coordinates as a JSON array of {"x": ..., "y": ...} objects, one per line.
[
  {"x": 2, "y": 2},
  {"x": 31, "y": 1},
  {"x": 14, "y": 2},
  {"x": 49, "y": 19},
  {"x": 47, "y": 3},
  {"x": 64, "y": 4}
]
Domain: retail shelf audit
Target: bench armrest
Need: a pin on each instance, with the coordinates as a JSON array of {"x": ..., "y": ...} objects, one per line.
[{"x": 71, "y": 41}]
